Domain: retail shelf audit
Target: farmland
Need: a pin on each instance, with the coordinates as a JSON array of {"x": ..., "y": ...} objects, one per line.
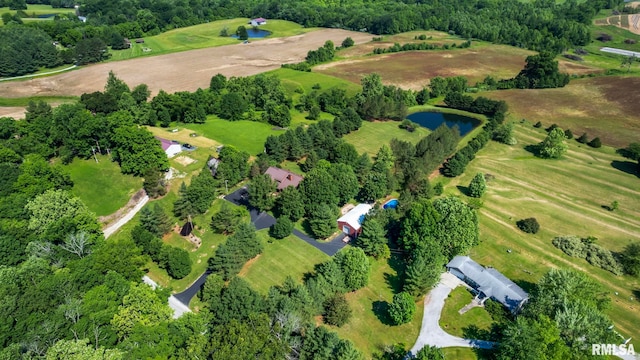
[
  {"x": 566, "y": 196},
  {"x": 603, "y": 106},
  {"x": 414, "y": 69}
]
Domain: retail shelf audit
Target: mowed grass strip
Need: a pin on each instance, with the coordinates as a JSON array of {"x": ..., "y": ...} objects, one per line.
[
  {"x": 203, "y": 36},
  {"x": 281, "y": 258},
  {"x": 101, "y": 186},
  {"x": 566, "y": 196},
  {"x": 372, "y": 135},
  {"x": 369, "y": 328},
  {"x": 606, "y": 107},
  {"x": 48, "y": 99},
  {"x": 454, "y": 323}
]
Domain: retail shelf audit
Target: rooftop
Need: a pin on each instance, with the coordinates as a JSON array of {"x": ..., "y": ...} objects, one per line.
[
  {"x": 490, "y": 282},
  {"x": 165, "y": 143},
  {"x": 283, "y": 177},
  {"x": 355, "y": 216}
]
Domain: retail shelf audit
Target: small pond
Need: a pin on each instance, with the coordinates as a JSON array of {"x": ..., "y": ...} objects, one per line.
[
  {"x": 255, "y": 34},
  {"x": 431, "y": 120}
]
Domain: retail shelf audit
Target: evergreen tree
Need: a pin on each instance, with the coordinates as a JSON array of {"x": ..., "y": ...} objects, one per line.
[
  {"x": 261, "y": 189},
  {"x": 289, "y": 203},
  {"x": 336, "y": 310},
  {"x": 477, "y": 186},
  {"x": 402, "y": 308},
  {"x": 355, "y": 267},
  {"x": 282, "y": 228},
  {"x": 182, "y": 207},
  {"x": 373, "y": 239},
  {"x": 322, "y": 221}
]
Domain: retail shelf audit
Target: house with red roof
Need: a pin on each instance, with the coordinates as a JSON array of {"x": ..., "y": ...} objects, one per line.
[
  {"x": 283, "y": 177},
  {"x": 170, "y": 148}
]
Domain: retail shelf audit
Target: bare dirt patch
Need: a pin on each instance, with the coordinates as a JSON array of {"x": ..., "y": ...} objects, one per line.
[
  {"x": 414, "y": 69},
  {"x": 185, "y": 160},
  {"x": 627, "y": 22},
  {"x": 606, "y": 107},
  {"x": 183, "y": 71},
  {"x": 13, "y": 112}
]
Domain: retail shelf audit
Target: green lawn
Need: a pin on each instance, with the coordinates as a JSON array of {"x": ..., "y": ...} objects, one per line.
[
  {"x": 454, "y": 323},
  {"x": 101, "y": 186},
  {"x": 38, "y": 9},
  {"x": 292, "y": 80},
  {"x": 281, "y": 258},
  {"x": 203, "y": 36},
  {"x": 244, "y": 135},
  {"x": 368, "y": 328},
  {"x": 566, "y": 197},
  {"x": 372, "y": 135},
  {"x": 459, "y": 353}
]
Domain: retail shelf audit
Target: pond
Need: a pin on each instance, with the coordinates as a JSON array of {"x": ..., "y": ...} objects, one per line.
[
  {"x": 255, "y": 34},
  {"x": 431, "y": 120}
]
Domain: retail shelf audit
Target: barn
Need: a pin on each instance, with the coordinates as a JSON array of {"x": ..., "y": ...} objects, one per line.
[
  {"x": 170, "y": 148},
  {"x": 351, "y": 222}
]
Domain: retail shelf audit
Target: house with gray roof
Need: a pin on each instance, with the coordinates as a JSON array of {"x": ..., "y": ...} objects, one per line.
[{"x": 488, "y": 282}]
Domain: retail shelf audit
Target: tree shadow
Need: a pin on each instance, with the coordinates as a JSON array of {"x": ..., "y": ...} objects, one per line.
[
  {"x": 636, "y": 294},
  {"x": 606, "y": 207},
  {"x": 463, "y": 189},
  {"x": 533, "y": 149},
  {"x": 628, "y": 167},
  {"x": 396, "y": 262},
  {"x": 475, "y": 333},
  {"x": 527, "y": 286},
  {"x": 306, "y": 228},
  {"x": 381, "y": 309}
]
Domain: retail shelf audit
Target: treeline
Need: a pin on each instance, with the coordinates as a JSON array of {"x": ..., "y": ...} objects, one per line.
[
  {"x": 540, "y": 72},
  {"x": 420, "y": 46}
]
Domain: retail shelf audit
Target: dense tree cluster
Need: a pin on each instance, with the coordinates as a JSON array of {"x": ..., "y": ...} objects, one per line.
[
  {"x": 595, "y": 254},
  {"x": 197, "y": 197},
  {"x": 396, "y": 47}
]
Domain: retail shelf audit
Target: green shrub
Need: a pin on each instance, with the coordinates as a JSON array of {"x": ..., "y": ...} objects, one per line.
[
  {"x": 528, "y": 225},
  {"x": 568, "y": 134},
  {"x": 583, "y": 139},
  {"x": 595, "y": 143},
  {"x": 586, "y": 249}
]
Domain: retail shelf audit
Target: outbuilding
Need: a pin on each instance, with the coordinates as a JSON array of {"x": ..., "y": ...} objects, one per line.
[
  {"x": 258, "y": 21},
  {"x": 170, "y": 148},
  {"x": 351, "y": 222}
]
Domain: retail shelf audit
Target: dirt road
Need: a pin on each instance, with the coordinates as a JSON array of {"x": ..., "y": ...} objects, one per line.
[{"x": 183, "y": 71}]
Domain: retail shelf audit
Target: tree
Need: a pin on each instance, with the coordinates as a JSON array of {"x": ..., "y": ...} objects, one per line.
[
  {"x": 631, "y": 152},
  {"x": 81, "y": 350},
  {"x": 532, "y": 339},
  {"x": 628, "y": 61},
  {"x": 568, "y": 134},
  {"x": 182, "y": 207},
  {"x": 430, "y": 353},
  {"x": 141, "y": 306},
  {"x": 176, "y": 261},
  {"x": 583, "y": 139},
  {"x": 137, "y": 150},
  {"x": 218, "y": 83},
  {"x": 115, "y": 87},
  {"x": 457, "y": 231},
  {"x": 419, "y": 226},
  {"x": 504, "y": 134},
  {"x": 232, "y": 106},
  {"x": 402, "y": 308},
  {"x": 373, "y": 239},
  {"x": 477, "y": 186},
  {"x": 630, "y": 259},
  {"x": 212, "y": 288},
  {"x": 154, "y": 183},
  {"x": 243, "y": 245},
  {"x": 347, "y": 42},
  {"x": 241, "y": 32},
  {"x": 423, "y": 270},
  {"x": 227, "y": 218},
  {"x": 595, "y": 143},
  {"x": 233, "y": 165},
  {"x": 322, "y": 221},
  {"x": 528, "y": 225},
  {"x": 91, "y": 50},
  {"x": 282, "y": 228},
  {"x": 140, "y": 93},
  {"x": 261, "y": 189},
  {"x": 289, "y": 203},
  {"x": 553, "y": 146},
  {"x": 155, "y": 220},
  {"x": 355, "y": 267},
  {"x": 319, "y": 187},
  {"x": 336, "y": 310}
]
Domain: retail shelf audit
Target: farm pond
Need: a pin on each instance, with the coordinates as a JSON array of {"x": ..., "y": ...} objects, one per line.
[
  {"x": 431, "y": 120},
  {"x": 255, "y": 34}
]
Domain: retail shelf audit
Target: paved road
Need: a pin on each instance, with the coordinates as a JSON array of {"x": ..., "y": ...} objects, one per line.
[
  {"x": 108, "y": 231},
  {"x": 621, "y": 52},
  {"x": 36, "y": 75},
  {"x": 188, "y": 294},
  {"x": 431, "y": 333}
]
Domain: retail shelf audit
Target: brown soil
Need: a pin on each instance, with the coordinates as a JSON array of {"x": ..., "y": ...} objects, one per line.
[
  {"x": 183, "y": 71},
  {"x": 13, "y": 112}
]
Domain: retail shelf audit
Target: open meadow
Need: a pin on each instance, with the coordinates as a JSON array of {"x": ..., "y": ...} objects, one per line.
[
  {"x": 606, "y": 107},
  {"x": 566, "y": 196},
  {"x": 372, "y": 135},
  {"x": 101, "y": 186}
]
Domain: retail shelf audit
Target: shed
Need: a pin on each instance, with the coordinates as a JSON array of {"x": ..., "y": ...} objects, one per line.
[
  {"x": 139, "y": 41},
  {"x": 283, "y": 177},
  {"x": 351, "y": 222},
  {"x": 212, "y": 164},
  {"x": 170, "y": 148},
  {"x": 488, "y": 282}
]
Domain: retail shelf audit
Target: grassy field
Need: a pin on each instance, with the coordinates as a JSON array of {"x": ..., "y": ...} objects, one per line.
[
  {"x": 606, "y": 107},
  {"x": 33, "y": 10},
  {"x": 293, "y": 80},
  {"x": 566, "y": 196},
  {"x": 454, "y": 323},
  {"x": 368, "y": 327},
  {"x": 459, "y": 353},
  {"x": 48, "y": 99},
  {"x": 279, "y": 259},
  {"x": 202, "y": 36},
  {"x": 372, "y": 135},
  {"x": 101, "y": 186}
]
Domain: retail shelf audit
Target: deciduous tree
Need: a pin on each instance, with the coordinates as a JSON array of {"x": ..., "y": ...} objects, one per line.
[
  {"x": 402, "y": 308},
  {"x": 553, "y": 146}
]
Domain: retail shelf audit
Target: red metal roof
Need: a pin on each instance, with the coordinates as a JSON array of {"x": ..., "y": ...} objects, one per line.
[{"x": 283, "y": 177}]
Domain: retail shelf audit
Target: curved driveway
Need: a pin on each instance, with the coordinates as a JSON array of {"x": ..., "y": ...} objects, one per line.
[{"x": 431, "y": 333}]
